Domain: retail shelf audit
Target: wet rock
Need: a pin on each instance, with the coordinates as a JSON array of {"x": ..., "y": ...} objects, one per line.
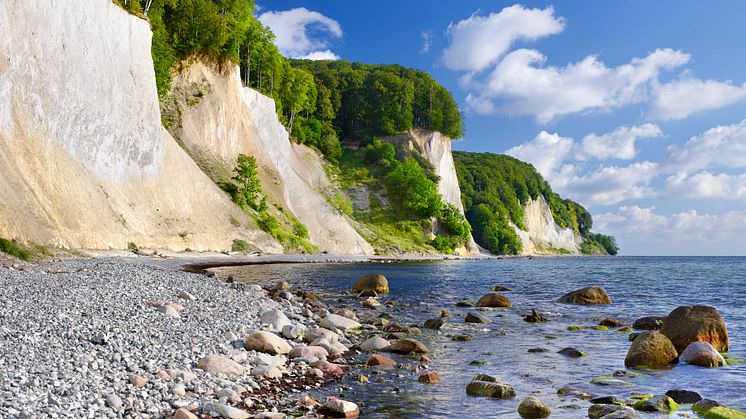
[
  {"x": 538, "y": 350},
  {"x": 465, "y": 303},
  {"x": 609, "y": 400},
  {"x": 137, "y": 380},
  {"x": 493, "y": 299},
  {"x": 474, "y": 317},
  {"x": 407, "y": 346},
  {"x": 375, "y": 343},
  {"x": 335, "y": 321},
  {"x": 702, "y": 354},
  {"x": 329, "y": 368},
  {"x": 433, "y": 324},
  {"x": 370, "y": 303},
  {"x": 608, "y": 322},
  {"x": 533, "y": 408},
  {"x": 375, "y": 282},
  {"x": 587, "y": 295},
  {"x": 689, "y": 324},
  {"x": 703, "y": 406},
  {"x": 431, "y": 377},
  {"x": 611, "y": 411},
  {"x": 722, "y": 412},
  {"x": 651, "y": 350},
  {"x": 267, "y": 342},
  {"x": 632, "y": 337},
  {"x": 535, "y": 317},
  {"x": 661, "y": 403},
  {"x": 367, "y": 293},
  {"x": 462, "y": 338},
  {"x": 445, "y": 313},
  {"x": 377, "y": 359},
  {"x": 276, "y": 319},
  {"x": 573, "y": 392},
  {"x": 499, "y": 288},
  {"x": 649, "y": 323},
  {"x": 609, "y": 382},
  {"x": 684, "y": 396},
  {"x": 282, "y": 286},
  {"x": 216, "y": 364},
  {"x": 570, "y": 353},
  {"x": 492, "y": 389},
  {"x": 362, "y": 379},
  {"x": 340, "y": 409}
]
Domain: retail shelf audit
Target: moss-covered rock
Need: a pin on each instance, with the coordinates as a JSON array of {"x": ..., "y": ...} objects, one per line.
[{"x": 651, "y": 350}]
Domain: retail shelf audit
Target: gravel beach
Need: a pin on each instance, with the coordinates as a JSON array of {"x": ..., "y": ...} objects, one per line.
[{"x": 122, "y": 337}]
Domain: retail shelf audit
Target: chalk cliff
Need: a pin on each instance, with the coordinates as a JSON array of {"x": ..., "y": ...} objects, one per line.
[
  {"x": 229, "y": 119},
  {"x": 84, "y": 159},
  {"x": 542, "y": 234}
]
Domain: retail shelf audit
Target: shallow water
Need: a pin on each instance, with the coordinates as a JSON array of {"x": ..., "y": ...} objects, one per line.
[{"x": 638, "y": 286}]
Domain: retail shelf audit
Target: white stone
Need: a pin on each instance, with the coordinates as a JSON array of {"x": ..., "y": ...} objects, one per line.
[
  {"x": 375, "y": 343},
  {"x": 334, "y": 321},
  {"x": 276, "y": 320}
]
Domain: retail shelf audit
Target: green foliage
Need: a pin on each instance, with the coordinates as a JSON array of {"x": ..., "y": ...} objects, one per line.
[
  {"x": 380, "y": 153},
  {"x": 495, "y": 188},
  {"x": 239, "y": 246},
  {"x": 363, "y": 99},
  {"x": 413, "y": 191},
  {"x": 268, "y": 223},
  {"x": 596, "y": 243},
  {"x": 15, "y": 249},
  {"x": 444, "y": 244},
  {"x": 455, "y": 223},
  {"x": 342, "y": 203},
  {"x": 248, "y": 186}
]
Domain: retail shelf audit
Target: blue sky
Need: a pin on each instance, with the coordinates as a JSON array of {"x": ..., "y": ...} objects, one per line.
[{"x": 632, "y": 108}]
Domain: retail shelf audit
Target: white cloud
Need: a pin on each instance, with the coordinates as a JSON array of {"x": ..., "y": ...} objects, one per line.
[
  {"x": 682, "y": 98},
  {"x": 427, "y": 41},
  {"x": 547, "y": 152},
  {"x": 479, "y": 41},
  {"x": 300, "y": 32},
  {"x": 321, "y": 55},
  {"x": 722, "y": 146},
  {"x": 609, "y": 185},
  {"x": 525, "y": 87},
  {"x": 618, "y": 144},
  {"x": 707, "y": 185}
]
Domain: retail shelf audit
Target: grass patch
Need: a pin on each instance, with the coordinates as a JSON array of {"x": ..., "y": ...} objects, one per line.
[
  {"x": 239, "y": 246},
  {"x": 15, "y": 249}
]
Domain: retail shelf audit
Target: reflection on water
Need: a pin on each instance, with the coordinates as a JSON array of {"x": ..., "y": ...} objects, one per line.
[{"x": 637, "y": 286}]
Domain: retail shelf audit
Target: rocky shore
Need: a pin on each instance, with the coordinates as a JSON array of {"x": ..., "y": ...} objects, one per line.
[{"x": 129, "y": 337}]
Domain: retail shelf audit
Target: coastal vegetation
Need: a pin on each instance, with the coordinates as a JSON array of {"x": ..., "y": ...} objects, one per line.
[{"x": 495, "y": 189}]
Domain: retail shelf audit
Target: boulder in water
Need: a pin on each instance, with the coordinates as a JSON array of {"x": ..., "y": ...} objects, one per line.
[
  {"x": 407, "y": 346},
  {"x": 375, "y": 282},
  {"x": 493, "y": 299},
  {"x": 689, "y": 324},
  {"x": 535, "y": 317},
  {"x": 661, "y": 403},
  {"x": 474, "y": 317},
  {"x": 649, "y": 323},
  {"x": 571, "y": 353},
  {"x": 533, "y": 408},
  {"x": 434, "y": 324},
  {"x": 587, "y": 295},
  {"x": 702, "y": 354},
  {"x": 431, "y": 377},
  {"x": 651, "y": 350},
  {"x": 492, "y": 389},
  {"x": 684, "y": 396},
  {"x": 611, "y": 411}
]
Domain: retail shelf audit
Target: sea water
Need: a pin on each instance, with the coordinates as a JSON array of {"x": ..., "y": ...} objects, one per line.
[{"x": 638, "y": 286}]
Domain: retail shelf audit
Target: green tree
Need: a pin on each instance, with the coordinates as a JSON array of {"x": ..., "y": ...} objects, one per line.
[
  {"x": 413, "y": 191},
  {"x": 247, "y": 178}
]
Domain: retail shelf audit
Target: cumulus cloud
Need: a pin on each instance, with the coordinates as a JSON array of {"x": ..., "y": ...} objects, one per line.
[
  {"x": 706, "y": 184},
  {"x": 523, "y": 86},
  {"x": 609, "y": 185},
  {"x": 302, "y": 33},
  {"x": 618, "y": 144},
  {"x": 682, "y": 98},
  {"x": 722, "y": 146},
  {"x": 547, "y": 152},
  {"x": 478, "y": 42}
]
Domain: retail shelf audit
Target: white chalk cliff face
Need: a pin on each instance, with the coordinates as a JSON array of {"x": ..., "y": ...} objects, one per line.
[
  {"x": 230, "y": 120},
  {"x": 436, "y": 148},
  {"x": 542, "y": 234},
  {"x": 84, "y": 160}
]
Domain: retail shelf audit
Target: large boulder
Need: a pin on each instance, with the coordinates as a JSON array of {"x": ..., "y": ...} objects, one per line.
[
  {"x": 660, "y": 403},
  {"x": 611, "y": 411},
  {"x": 533, "y": 408},
  {"x": 587, "y": 295},
  {"x": 702, "y": 354},
  {"x": 374, "y": 282},
  {"x": 493, "y": 299},
  {"x": 216, "y": 364},
  {"x": 335, "y": 321},
  {"x": 689, "y": 324},
  {"x": 407, "y": 346},
  {"x": 266, "y": 342},
  {"x": 486, "y": 386},
  {"x": 276, "y": 319},
  {"x": 649, "y": 323},
  {"x": 651, "y": 350},
  {"x": 474, "y": 317},
  {"x": 374, "y": 343}
]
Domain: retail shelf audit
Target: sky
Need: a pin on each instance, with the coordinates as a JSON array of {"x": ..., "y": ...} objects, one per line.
[{"x": 635, "y": 109}]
